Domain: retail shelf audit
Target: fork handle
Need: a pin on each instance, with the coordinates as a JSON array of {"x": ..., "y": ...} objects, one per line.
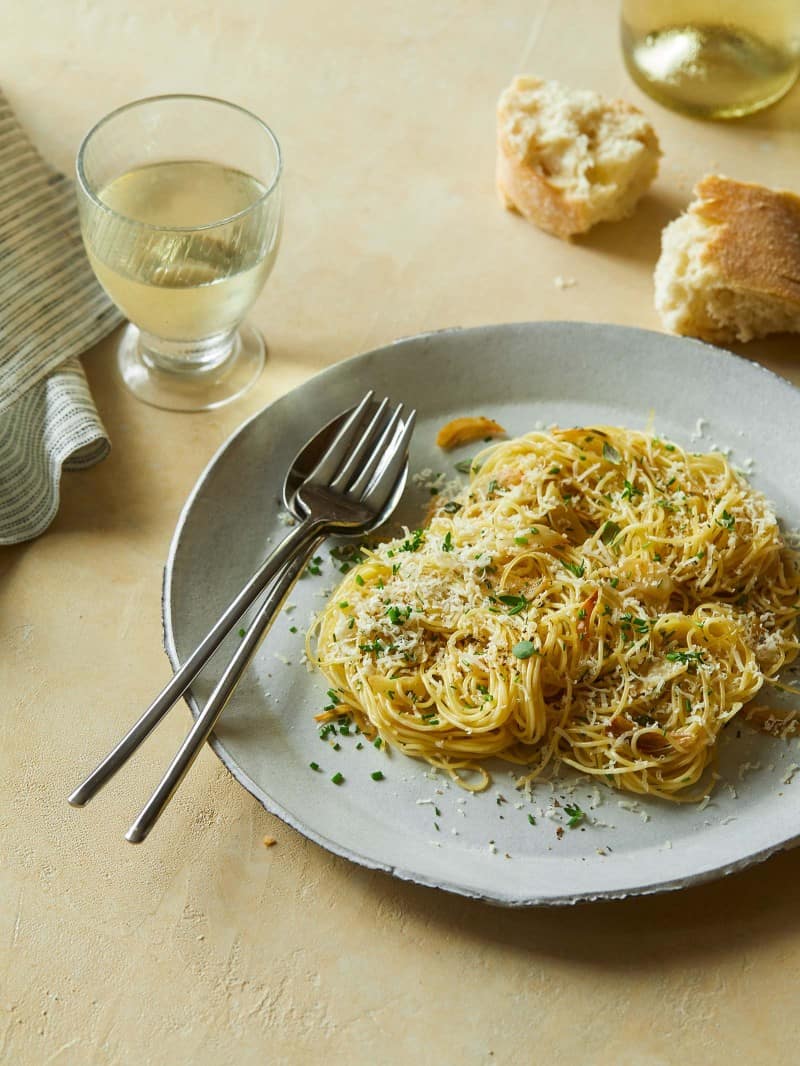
[
  {"x": 297, "y": 541},
  {"x": 217, "y": 701}
]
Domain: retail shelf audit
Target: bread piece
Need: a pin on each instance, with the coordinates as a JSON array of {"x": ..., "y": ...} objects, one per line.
[
  {"x": 568, "y": 159},
  {"x": 730, "y": 265}
]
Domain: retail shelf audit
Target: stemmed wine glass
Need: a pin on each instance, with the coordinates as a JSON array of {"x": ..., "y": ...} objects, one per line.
[{"x": 180, "y": 207}]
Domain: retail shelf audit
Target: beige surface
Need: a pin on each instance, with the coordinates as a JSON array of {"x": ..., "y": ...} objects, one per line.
[{"x": 203, "y": 946}]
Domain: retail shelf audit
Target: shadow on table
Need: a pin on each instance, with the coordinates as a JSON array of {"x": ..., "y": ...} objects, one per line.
[
  {"x": 709, "y": 922},
  {"x": 637, "y": 238}
]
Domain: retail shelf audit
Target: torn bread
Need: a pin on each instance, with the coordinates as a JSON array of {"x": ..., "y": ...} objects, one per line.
[
  {"x": 730, "y": 265},
  {"x": 567, "y": 159}
]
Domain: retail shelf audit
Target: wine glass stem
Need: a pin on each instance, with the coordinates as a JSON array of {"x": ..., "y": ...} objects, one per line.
[{"x": 181, "y": 357}]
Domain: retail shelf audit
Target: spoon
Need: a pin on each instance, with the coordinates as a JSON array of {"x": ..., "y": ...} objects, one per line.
[{"x": 305, "y": 461}]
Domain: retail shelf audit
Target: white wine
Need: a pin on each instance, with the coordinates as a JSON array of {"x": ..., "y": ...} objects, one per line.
[
  {"x": 712, "y": 58},
  {"x": 191, "y": 269}
]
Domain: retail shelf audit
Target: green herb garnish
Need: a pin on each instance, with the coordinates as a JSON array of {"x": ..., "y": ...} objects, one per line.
[
  {"x": 337, "y": 778},
  {"x": 574, "y": 568},
  {"x": 630, "y": 491},
  {"x": 524, "y": 649},
  {"x": 451, "y": 507},
  {"x": 447, "y": 543},
  {"x": 575, "y": 814},
  {"x": 727, "y": 521},
  {"x": 609, "y": 532},
  {"x": 377, "y": 775},
  {"x": 685, "y": 656},
  {"x": 610, "y": 453}
]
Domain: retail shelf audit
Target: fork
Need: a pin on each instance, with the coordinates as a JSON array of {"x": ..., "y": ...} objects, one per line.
[{"x": 351, "y": 486}]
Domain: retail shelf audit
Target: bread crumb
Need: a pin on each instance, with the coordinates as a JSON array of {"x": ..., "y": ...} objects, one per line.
[{"x": 269, "y": 842}]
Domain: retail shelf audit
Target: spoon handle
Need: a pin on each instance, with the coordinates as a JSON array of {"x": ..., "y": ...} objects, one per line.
[
  {"x": 217, "y": 701},
  {"x": 297, "y": 541}
]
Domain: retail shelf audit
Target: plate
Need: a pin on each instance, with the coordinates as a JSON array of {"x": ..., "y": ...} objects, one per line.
[{"x": 416, "y": 824}]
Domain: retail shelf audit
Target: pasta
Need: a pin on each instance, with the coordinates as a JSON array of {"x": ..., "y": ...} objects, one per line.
[{"x": 595, "y": 597}]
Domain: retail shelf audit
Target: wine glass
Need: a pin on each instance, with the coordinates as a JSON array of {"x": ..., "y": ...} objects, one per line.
[{"x": 180, "y": 207}]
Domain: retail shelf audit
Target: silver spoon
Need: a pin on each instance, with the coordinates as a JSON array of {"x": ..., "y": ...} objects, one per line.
[{"x": 303, "y": 465}]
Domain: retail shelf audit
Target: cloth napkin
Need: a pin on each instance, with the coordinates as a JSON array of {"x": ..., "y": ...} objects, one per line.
[{"x": 51, "y": 310}]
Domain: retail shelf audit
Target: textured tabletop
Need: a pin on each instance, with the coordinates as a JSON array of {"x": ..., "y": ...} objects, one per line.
[{"x": 203, "y": 946}]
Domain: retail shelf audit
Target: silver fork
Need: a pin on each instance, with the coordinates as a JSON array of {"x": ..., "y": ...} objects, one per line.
[{"x": 351, "y": 485}]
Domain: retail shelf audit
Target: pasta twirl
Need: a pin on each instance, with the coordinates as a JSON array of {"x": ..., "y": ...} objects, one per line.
[{"x": 595, "y": 596}]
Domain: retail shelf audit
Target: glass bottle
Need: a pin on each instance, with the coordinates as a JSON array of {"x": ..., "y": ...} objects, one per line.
[{"x": 712, "y": 58}]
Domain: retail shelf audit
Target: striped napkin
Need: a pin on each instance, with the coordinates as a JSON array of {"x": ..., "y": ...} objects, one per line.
[{"x": 51, "y": 310}]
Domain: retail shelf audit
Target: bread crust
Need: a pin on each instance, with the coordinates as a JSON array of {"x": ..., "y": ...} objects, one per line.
[{"x": 757, "y": 244}]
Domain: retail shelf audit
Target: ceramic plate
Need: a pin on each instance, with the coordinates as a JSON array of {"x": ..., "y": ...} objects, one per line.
[{"x": 415, "y": 824}]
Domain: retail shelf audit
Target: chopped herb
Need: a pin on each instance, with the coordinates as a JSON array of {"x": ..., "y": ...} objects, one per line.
[
  {"x": 670, "y": 447},
  {"x": 333, "y": 697},
  {"x": 437, "y": 812},
  {"x": 376, "y": 648},
  {"x": 727, "y": 521},
  {"x": 351, "y": 623},
  {"x": 666, "y": 504},
  {"x": 359, "y": 579},
  {"x": 337, "y": 778},
  {"x": 359, "y": 746},
  {"x": 451, "y": 507},
  {"x": 292, "y": 629},
  {"x": 520, "y": 540},
  {"x": 395, "y": 568},
  {"x": 326, "y": 731},
  {"x": 377, "y": 742},
  {"x": 377, "y": 775},
  {"x": 447, "y": 543},
  {"x": 436, "y": 827},
  {"x": 554, "y": 470},
  {"x": 531, "y": 819},
  {"x": 337, "y": 746},
  {"x": 609, "y": 532},
  {"x": 535, "y": 530},
  {"x": 574, "y": 568},
  {"x": 514, "y": 603},
  {"x": 685, "y": 656},
  {"x": 242, "y": 632},
  {"x": 314, "y": 766},
  {"x": 463, "y": 466},
  {"x": 414, "y": 543},
  {"x": 645, "y": 719},
  {"x": 398, "y": 615},
  {"x": 613, "y": 582},
  {"x": 344, "y": 604},
  {"x": 630, "y": 491},
  {"x": 610, "y": 453},
  {"x": 493, "y": 487},
  {"x": 524, "y": 649},
  {"x": 575, "y": 814}
]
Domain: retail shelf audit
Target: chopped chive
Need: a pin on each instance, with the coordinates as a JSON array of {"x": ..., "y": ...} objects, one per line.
[
  {"x": 242, "y": 632},
  {"x": 292, "y": 629},
  {"x": 359, "y": 579},
  {"x": 314, "y": 766},
  {"x": 377, "y": 742},
  {"x": 520, "y": 540},
  {"x": 377, "y": 775},
  {"x": 337, "y": 778},
  {"x": 531, "y": 819}
]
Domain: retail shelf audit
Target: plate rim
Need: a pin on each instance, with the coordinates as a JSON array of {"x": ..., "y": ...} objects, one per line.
[{"x": 273, "y": 807}]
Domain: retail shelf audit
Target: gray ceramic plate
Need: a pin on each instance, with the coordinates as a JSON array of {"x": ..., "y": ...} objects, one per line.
[{"x": 414, "y": 824}]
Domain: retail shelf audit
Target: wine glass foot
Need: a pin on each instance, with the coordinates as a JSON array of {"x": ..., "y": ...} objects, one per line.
[{"x": 201, "y": 389}]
